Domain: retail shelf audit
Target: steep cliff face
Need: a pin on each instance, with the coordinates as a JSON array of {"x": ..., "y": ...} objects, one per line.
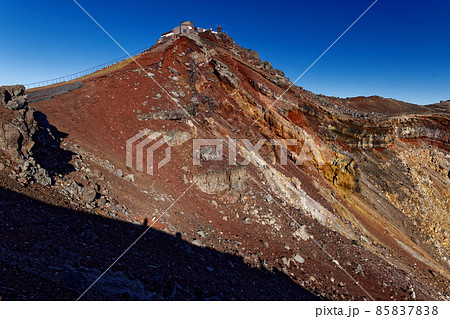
[
  {"x": 360, "y": 195},
  {"x": 24, "y": 136},
  {"x": 382, "y": 133}
]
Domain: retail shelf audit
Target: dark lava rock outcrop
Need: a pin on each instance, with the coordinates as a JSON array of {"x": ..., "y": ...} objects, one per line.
[
  {"x": 12, "y": 97},
  {"x": 23, "y": 130}
]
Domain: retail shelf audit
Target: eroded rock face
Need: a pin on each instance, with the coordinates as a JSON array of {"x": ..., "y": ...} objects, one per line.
[
  {"x": 13, "y": 97},
  {"x": 224, "y": 74},
  {"x": 213, "y": 182},
  {"x": 342, "y": 171},
  {"x": 18, "y": 126},
  {"x": 382, "y": 133},
  {"x": 21, "y": 129},
  {"x": 16, "y": 134}
]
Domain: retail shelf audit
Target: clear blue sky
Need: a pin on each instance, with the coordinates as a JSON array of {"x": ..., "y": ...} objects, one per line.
[{"x": 399, "y": 49}]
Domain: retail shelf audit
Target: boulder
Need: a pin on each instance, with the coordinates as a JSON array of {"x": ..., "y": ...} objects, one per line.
[
  {"x": 13, "y": 97},
  {"x": 172, "y": 70},
  {"x": 41, "y": 177},
  {"x": 213, "y": 181},
  {"x": 299, "y": 259},
  {"x": 224, "y": 74},
  {"x": 301, "y": 233},
  {"x": 88, "y": 194}
]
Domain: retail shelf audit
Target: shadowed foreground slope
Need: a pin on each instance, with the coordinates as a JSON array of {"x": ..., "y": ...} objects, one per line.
[{"x": 52, "y": 253}]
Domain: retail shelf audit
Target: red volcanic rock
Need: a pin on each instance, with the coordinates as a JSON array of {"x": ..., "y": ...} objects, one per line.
[{"x": 365, "y": 179}]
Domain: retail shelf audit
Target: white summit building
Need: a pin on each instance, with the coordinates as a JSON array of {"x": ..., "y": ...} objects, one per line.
[{"x": 187, "y": 27}]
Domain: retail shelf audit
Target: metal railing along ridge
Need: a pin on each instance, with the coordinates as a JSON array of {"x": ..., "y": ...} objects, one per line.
[{"x": 73, "y": 76}]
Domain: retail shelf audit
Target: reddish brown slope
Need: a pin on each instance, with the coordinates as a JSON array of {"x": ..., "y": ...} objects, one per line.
[{"x": 364, "y": 229}]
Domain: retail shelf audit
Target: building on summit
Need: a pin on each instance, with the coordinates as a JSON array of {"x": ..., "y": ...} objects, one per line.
[{"x": 187, "y": 27}]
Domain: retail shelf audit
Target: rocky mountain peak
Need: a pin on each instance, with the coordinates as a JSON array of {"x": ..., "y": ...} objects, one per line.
[{"x": 291, "y": 174}]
